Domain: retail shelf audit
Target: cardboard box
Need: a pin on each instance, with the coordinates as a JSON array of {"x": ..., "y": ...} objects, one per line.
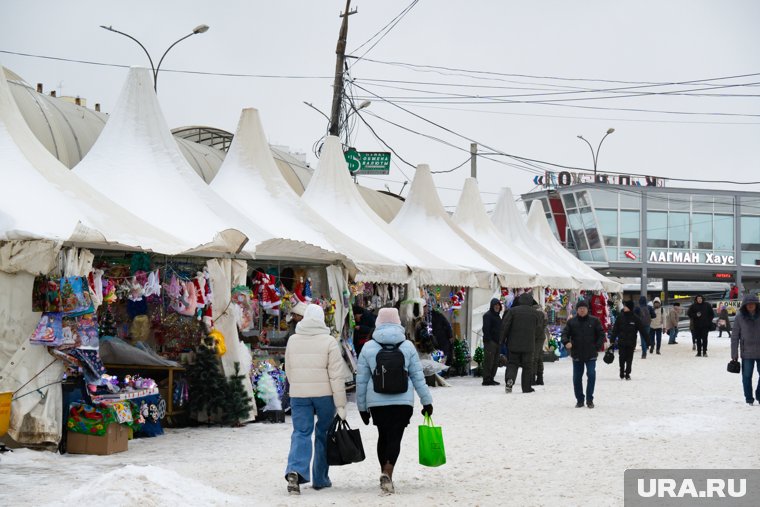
[{"x": 115, "y": 440}]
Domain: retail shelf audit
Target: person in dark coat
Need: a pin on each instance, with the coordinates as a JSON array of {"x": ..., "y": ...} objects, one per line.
[
  {"x": 443, "y": 334},
  {"x": 522, "y": 326},
  {"x": 701, "y": 314},
  {"x": 723, "y": 323},
  {"x": 365, "y": 324},
  {"x": 491, "y": 338},
  {"x": 583, "y": 336},
  {"x": 538, "y": 351},
  {"x": 626, "y": 329},
  {"x": 645, "y": 313},
  {"x": 746, "y": 339}
]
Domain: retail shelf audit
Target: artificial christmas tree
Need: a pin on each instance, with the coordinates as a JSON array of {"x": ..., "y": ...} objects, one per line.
[
  {"x": 207, "y": 383},
  {"x": 237, "y": 403},
  {"x": 107, "y": 323}
]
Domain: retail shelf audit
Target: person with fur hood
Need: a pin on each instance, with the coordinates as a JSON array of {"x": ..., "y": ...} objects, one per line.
[
  {"x": 656, "y": 326},
  {"x": 314, "y": 367},
  {"x": 746, "y": 340}
]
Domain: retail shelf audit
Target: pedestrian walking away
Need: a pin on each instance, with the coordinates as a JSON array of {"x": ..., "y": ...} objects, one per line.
[
  {"x": 523, "y": 326},
  {"x": 583, "y": 336},
  {"x": 626, "y": 329},
  {"x": 314, "y": 367},
  {"x": 724, "y": 324},
  {"x": 745, "y": 343},
  {"x": 644, "y": 312},
  {"x": 671, "y": 324},
  {"x": 701, "y": 313},
  {"x": 656, "y": 326},
  {"x": 390, "y": 412},
  {"x": 491, "y": 338}
]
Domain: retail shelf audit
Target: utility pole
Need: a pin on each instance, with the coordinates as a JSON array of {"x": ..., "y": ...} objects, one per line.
[
  {"x": 474, "y": 160},
  {"x": 340, "y": 59}
]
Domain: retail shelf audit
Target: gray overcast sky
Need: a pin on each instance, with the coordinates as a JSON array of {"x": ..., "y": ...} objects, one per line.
[{"x": 633, "y": 40}]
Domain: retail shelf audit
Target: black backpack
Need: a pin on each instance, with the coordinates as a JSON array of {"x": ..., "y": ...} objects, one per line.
[{"x": 390, "y": 376}]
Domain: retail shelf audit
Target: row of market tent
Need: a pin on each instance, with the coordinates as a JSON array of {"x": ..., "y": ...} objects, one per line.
[{"x": 134, "y": 191}]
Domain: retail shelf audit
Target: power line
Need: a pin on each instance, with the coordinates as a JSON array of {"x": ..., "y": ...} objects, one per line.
[
  {"x": 387, "y": 29},
  {"x": 452, "y": 170}
]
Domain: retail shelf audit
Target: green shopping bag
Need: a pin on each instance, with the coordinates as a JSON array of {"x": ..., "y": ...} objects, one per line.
[{"x": 432, "y": 453}]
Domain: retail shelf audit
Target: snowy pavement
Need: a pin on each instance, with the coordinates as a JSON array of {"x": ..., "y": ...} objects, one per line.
[{"x": 679, "y": 411}]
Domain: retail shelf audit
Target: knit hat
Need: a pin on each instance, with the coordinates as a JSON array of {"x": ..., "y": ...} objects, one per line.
[
  {"x": 299, "y": 308},
  {"x": 628, "y": 304},
  {"x": 581, "y": 303},
  {"x": 387, "y": 316}
]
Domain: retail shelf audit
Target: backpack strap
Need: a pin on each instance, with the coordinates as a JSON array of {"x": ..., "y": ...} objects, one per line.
[{"x": 391, "y": 346}]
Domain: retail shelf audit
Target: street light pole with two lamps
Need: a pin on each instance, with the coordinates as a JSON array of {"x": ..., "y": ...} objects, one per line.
[
  {"x": 595, "y": 156},
  {"x": 198, "y": 29}
]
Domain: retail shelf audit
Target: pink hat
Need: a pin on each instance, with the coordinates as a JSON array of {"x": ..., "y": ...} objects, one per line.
[{"x": 387, "y": 316}]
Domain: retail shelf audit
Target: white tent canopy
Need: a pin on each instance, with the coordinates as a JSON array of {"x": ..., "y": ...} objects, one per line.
[
  {"x": 471, "y": 216},
  {"x": 41, "y": 198},
  {"x": 424, "y": 221},
  {"x": 540, "y": 229},
  {"x": 250, "y": 180},
  {"x": 508, "y": 221},
  {"x": 136, "y": 161},
  {"x": 335, "y": 197}
]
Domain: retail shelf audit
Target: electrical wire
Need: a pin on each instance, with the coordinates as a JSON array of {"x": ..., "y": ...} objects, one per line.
[
  {"x": 386, "y": 29},
  {"x": 452, "y": 170}
]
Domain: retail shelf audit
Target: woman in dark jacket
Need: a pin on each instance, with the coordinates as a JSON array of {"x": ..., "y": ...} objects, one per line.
[
  {"x": 723, "y": 323},
  {"x": 491, "y": 338},
  {"x": 627, "y": 328},
  {"x": 701, "y": 314}
]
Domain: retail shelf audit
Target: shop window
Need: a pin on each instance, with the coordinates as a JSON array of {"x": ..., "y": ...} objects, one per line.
[
  {"x": 702, "y": 203},
  {"x": 679, "y": 230},
  {"x": 750, "y": 206},
  {"x": 598, "y": 255},
  {"x": 604, "y": 198},
  {"x": 750, "y": 234},
  {"x": 724, "y": 205},
  {"x": 657, "y": 201},
  {"x": 585, "y": 255},
  {"x": 630, "y": 228},
  {"x": 569, "y": 200},
  {"x": 630, "y": 199},
  {"x": 612, "y": 253},
  {"x": 583, "y": 199},
  {"x": 589, "y": 225},
  {"x": 751, "y": 259},
  {"x": 723, "y": 232},
  {"x": 576, "y": 225},
  {"x": 679, "y": 202},
  {"x": 547, "y": 208},
  {"x": 657, "y": 229},
  {"x": 608, "y": 225},
  {"x": 702, "y": 231}
]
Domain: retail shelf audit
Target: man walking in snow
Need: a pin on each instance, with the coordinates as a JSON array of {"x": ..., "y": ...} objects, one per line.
[
  {"x": 626, "y": 329},
  {"x": 672, "y": 323},
  {"x": 491, "y": 328},
  {"x": 522, "y": 327},
  {"x": 746, "y": 338},
  {"x": 583, "y": 336},
  {"x": 645, "y": 313},
  {"x": 702, "y": 314}
]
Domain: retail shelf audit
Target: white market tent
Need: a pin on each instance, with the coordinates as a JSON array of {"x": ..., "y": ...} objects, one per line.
[
  {"x": 136, "y": 161},
  {"x": 471, "y": 216},
  {"x": 250, "y": 180},
  {"x": 333, "y": 195},
  {"x": 508, "y": 221},
  {"x": 424, "y": 221},
  {"x": 540, "y": 229}
]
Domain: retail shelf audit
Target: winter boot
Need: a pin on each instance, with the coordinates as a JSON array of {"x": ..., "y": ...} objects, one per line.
[
  {"x": 386, "y": 481},
  {"x": 579, "y": 404},
  {"x": 590, "y": 404},
  {"x": 508, "y": 387},
  {"x": 540, "y": 379},
  {"x": 293, "y": 487},
  {"x": 622, "y": 375}
]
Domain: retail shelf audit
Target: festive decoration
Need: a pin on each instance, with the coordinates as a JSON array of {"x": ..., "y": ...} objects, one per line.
[
  {"x": 107, "y": 323},
  {"x": 461, "y": 358},
  {"x": 207, "y": 383},
  {"x": 237, "y": 403}
]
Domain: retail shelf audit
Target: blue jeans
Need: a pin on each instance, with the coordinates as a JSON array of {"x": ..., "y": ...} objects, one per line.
[
  {"x": 655, "y": 338},
  {"x": 645, "y": 341},
  {"x": 672, "y": 333},
  {"x": 748, "y": 369},
  {"x": 578, "y": 367},
  {"x": 299, "y": 458}
]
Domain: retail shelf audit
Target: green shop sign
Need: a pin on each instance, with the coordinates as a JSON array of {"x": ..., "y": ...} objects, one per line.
[{"x": 368, "y": 162}]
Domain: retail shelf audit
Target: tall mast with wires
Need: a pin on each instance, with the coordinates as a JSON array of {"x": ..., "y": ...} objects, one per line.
[{"x": 340, "y": 60}]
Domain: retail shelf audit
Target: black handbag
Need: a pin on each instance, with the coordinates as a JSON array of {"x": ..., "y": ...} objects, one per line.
[
  {"x": 344, "y": 445},
  {"x": 734, "y": 367},
  {"x": 609, "y": 356}
]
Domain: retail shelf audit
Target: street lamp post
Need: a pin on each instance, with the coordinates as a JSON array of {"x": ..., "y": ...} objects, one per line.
[
  {"x": 595, "y": 156},
  {"x": 198, "y": 29}
]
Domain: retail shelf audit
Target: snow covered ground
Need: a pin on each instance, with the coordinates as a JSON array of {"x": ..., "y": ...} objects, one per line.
[{"x": 679, "y": 411}]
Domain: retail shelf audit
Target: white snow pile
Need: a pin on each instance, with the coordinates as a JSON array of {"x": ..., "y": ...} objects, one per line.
[{"x": 146, "y": 486}]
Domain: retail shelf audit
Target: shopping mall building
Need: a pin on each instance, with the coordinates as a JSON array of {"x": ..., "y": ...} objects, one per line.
[{"x": 641, "y": 229}]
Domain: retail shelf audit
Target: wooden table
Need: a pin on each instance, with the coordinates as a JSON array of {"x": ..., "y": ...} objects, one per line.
[{"x": 150, "y": 371}]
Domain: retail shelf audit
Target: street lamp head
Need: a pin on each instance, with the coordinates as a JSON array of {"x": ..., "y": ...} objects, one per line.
[
  {"x": 200, "y": 29},
  {"x": 610, "y": 130},
  {"x": 109, "y": 28},
  {"x": 579, "y": 137},
  {"x": 364, "y": 104}
]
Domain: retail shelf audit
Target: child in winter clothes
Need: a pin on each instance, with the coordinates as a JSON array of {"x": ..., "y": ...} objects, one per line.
[{"x": 391, "y": 413}]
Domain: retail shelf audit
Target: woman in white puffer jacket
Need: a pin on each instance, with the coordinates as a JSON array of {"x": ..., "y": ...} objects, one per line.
[{"x": 314, "y": 367}]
